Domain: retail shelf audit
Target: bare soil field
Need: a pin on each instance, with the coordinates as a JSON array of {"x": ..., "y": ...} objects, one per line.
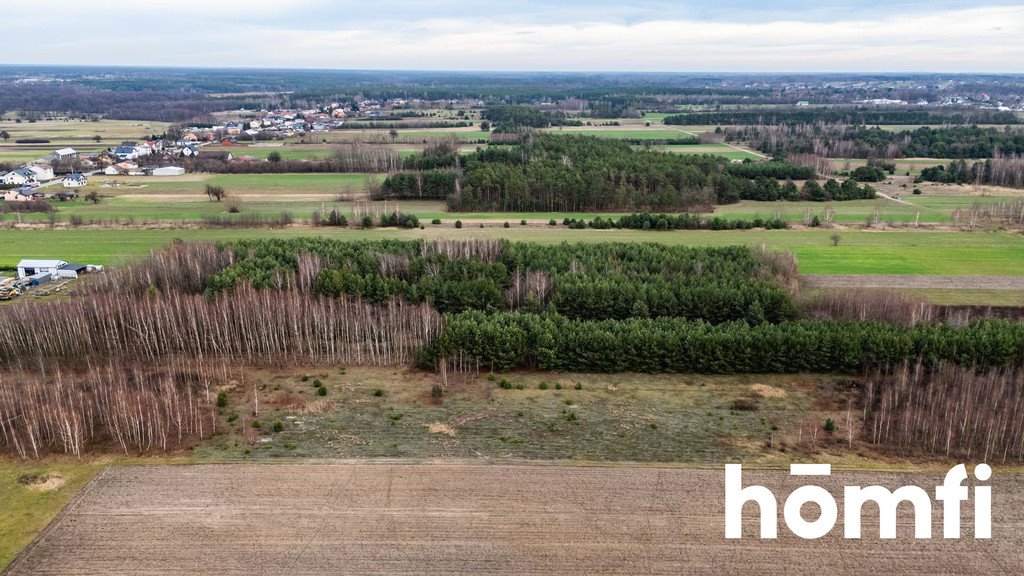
[
  {"x": 386, "y": 518},
  {"x": 900, "y": 281}
]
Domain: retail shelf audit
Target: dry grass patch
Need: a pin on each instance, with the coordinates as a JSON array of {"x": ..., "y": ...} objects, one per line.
[
  {"x": 441, "y": 428},
  {"x": 766, "y": 391}
]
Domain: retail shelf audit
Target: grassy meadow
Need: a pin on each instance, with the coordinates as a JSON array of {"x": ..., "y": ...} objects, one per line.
[{"x": 859, "y": 252}]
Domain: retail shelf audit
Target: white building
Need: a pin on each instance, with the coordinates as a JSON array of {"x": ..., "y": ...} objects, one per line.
[
  {"x": 75, "y": 180},
  {"x": 19, "y": 177},
  {"x": 30, "y": 267},
  {"x": 169, "y": 171},
  {"x": 65, "y": 154},
  {"x": 43, "y": 172}
]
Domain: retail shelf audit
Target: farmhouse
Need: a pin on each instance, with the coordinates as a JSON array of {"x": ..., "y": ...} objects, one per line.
[
  {"x": 65, "y": 154},
  {"x": 75, "y": 180},
  {"x": 169, "y": 171}
]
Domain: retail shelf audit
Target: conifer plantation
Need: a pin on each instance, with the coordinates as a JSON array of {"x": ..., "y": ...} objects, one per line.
[{"x": 132, "y": 357}]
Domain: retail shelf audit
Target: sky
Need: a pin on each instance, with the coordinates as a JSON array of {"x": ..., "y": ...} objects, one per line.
[{"x": 514, "y": 35}]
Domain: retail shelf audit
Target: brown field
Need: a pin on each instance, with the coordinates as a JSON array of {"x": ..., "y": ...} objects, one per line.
[{"x": 387, "y": 518}]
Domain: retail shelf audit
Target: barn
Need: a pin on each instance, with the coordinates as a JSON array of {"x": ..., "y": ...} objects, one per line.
[{"x": 30, "y": 267}]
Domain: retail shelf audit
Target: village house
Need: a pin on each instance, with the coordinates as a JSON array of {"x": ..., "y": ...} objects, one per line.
[
  {"x": 43, "y": 172},
  {"x": 19, "y": 177},
  {"x": 121, "y": 168},
  {"x": 75, "y": 180},
  {"x": 22, "y": 195}
]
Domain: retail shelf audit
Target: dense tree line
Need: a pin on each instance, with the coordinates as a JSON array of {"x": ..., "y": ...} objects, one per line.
[
  {"x": 575, "y": 173},
  {"x": 999, "y": 171},
  {"x": 144, "y": 104},
  {"x": 842, "y": 141},
  {"x": 648, "y": 221},
  {"x": 510, "y": 117},
  {"x": 835, "y": 115},
  {"x": 549, "y": 172},
  {"x": 502, "y": 341}
]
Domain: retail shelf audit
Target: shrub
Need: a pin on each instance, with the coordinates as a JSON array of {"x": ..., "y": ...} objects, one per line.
[
  {"x": 278, "y": 426},
  {"x": 505, "y": 225},
  {"x": 458, "y": 223},
  {"x": 522, "y": 222},
  {"x": 552, "y": 222},
  {"x": 578, "y": 386},
  {"x": 436, "y": 392},
  {"x": 435, "y": 221},
  {"x": 222, "y": 399},
  {"x": 830, "y": 426},
  {"x": 744, "y": 404},
  {"x": 379, "y": 392},
  {"x": 317, "y": 383},
  {"x": 321, "y": 391},
  {"x": 542, "y": 386},
  {"x": 367, "y": 221}
]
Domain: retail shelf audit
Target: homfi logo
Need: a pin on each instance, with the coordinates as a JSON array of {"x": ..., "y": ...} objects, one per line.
[{"x": 951, "y": 493}]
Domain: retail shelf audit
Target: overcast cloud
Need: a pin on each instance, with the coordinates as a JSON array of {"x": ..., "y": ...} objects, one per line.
[{"x": 727, "y": 35}]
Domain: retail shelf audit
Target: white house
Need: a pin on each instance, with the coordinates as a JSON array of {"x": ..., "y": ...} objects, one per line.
[
  {"x": 19, "y": 177},
  {"x": 169, "y": 171},
  {"x": 30, "y": 267},
  {"x": 75, "y": 180},
  {"x": 190, "y": 150},
  {"x": 43, "y": 172},
  {"x": 65, "y": 154},
  {"x": 111, "y": 170}
]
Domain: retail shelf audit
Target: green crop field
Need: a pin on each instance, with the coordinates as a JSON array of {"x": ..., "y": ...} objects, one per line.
[
  {"x": 859, "y": 252},
  {"x": 630, "y": 133}
]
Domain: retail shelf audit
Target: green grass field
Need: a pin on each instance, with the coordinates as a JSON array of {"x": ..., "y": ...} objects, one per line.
[
  {"x": 28, "y": 507},
  {"x": 630, "y": 133},
  {"x": 859, "y": 252}
]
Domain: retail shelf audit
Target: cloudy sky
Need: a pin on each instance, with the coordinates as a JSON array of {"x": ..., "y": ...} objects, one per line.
[{"x": 682, "y": 35}]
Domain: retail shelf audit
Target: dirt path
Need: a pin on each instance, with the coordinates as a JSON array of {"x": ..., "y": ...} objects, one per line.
[
  {"x": 912, "y": 281},
  {"x": 481, "y": 520},
  {"x": 896, "y": 200}
]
